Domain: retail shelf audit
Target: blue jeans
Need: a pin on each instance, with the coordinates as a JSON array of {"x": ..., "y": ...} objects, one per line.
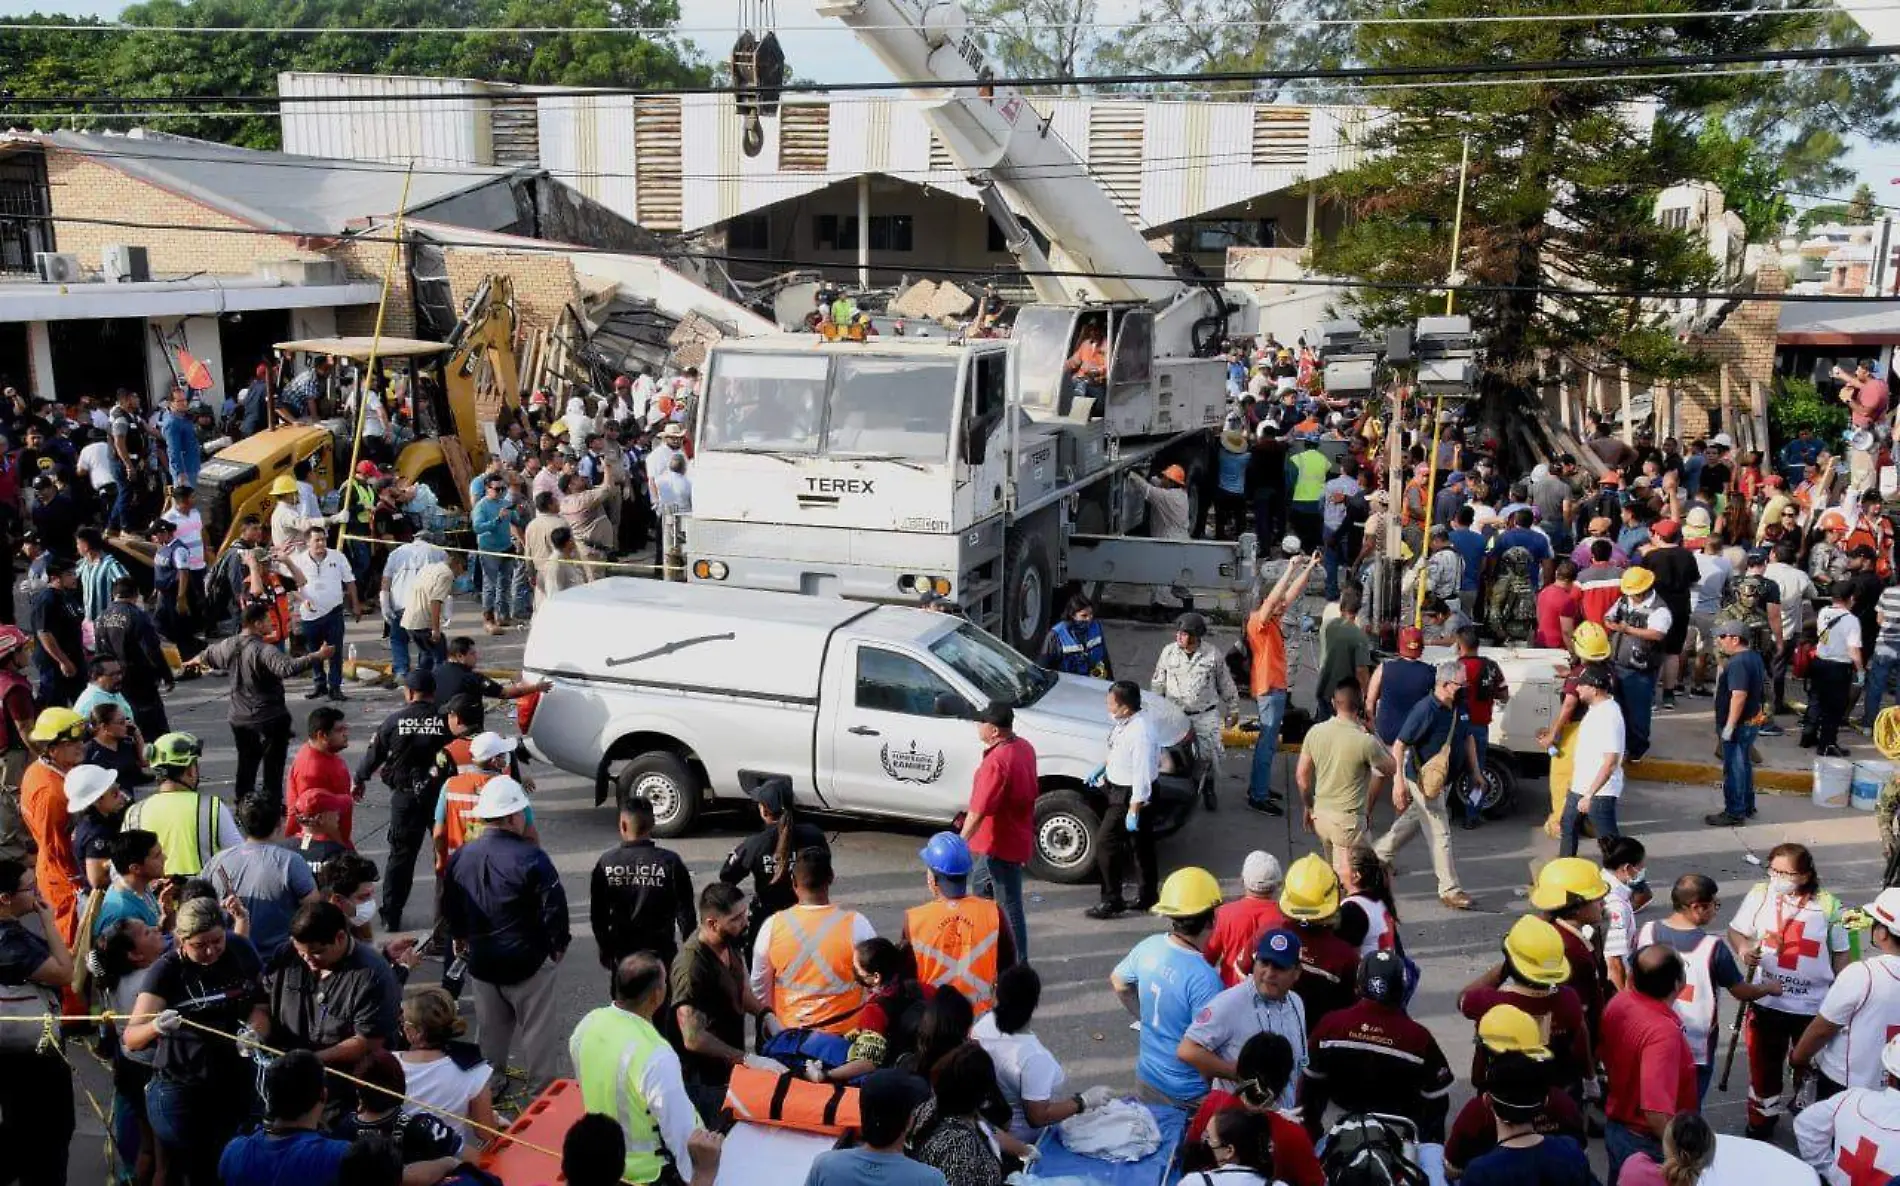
[
  {"x": 1638, "y": 701},
  {"x": 498, "y": 580},
  {"x": 1738, "y": 772},
  {"x": 398, "y": 645},
  {"x": 1621, "y": 1142},
  {"x": 431, "y": 653},
  {"x": 1880, "y": 673},
  {"x": 192, "y": 1125},
  {"x": 328, "y": 628},
  {"x": 1703, "y": 1074},
  {"x": 523, "y": 591},
  {"x": 1266, "y": 747},
  {"x": 1002, "y": 882},
  {"x": 1602, "y": 818}
]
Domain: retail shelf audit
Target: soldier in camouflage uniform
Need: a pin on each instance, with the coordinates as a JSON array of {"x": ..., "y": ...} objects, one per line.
[
  {"x": 1757, "y": 605},
  {"x": 1196, "y": 679}
]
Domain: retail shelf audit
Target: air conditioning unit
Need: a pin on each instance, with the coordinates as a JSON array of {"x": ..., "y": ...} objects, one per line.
[
  {"x": 124, "y": 264},
  {"x": 58, "y": 267}
]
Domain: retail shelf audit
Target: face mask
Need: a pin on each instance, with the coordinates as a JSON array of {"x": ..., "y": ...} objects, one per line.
[
  {"x": 364, "y": 912},
  {"x": 1781, "y": 887},
  {"x": 1640, "y": 875}
]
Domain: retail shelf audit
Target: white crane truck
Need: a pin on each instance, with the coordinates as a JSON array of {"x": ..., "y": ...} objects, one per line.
[{"x": 974, "y": 468}]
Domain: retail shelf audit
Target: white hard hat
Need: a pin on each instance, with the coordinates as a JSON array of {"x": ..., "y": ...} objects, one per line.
[
  {"x": 486, "y": 747},
  {"x": 501, "y": 797},
  {"x": 1290, "y": 544},
  {"x": 1890, "y": 1057},
  {"x": 1260, "y": 872},
  {"x": 86, "y": 785},
  {"x": 1884, "y": 910}
]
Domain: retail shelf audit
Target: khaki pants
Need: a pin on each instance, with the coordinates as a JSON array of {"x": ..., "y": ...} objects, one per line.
[
  {"x": 1341, "y": 833},
  {"x": 1429, "y": 815},
  {"x": 528, "y": 1009}
]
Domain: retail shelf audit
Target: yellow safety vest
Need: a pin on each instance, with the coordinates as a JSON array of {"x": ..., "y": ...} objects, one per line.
[
  {"x": 1309, "y": 475},
  {"x": 611, "y": 1049},
  {"x": 186, "y": 824}
]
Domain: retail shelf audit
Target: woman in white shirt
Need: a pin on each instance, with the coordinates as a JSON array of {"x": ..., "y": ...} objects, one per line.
[
  {"x": 1623, "y": 858},
  {"x": 1029, "y": 1076},
  {"x": 438, "y": 1070},
  {"x": 1838, "y": 655}
]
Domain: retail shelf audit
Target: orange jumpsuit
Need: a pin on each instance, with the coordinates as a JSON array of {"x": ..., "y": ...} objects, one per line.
[{"x": 43, "y": 805}]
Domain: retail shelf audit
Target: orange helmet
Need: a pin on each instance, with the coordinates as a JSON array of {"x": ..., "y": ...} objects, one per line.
[
  {"x": 1833, "y": 521},
  {"x": 1175, "y": 474}
]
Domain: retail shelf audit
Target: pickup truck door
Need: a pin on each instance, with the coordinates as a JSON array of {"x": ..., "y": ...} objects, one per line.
[{"x": 898, "y": 738}]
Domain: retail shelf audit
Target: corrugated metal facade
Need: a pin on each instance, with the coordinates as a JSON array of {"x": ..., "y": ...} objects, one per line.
[{"x": 1163, "y": 161}]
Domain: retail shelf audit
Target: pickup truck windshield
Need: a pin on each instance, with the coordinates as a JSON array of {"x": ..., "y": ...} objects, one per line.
[
  {"x": 804, "y": 405},
  {"x": 998, "y": 672}
]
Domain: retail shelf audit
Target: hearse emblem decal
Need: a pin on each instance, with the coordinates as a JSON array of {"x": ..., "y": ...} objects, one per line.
[{"x": 911, "y": 765}]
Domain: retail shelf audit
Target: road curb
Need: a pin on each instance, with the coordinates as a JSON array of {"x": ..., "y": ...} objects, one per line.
[{"x": 1777, "y": 782}]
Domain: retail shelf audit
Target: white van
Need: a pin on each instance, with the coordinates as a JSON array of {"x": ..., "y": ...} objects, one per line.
[{"x": 688, "y": 695}]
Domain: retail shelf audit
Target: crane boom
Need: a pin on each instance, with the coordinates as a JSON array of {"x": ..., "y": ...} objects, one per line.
[{"x": 1001, "y": 141}]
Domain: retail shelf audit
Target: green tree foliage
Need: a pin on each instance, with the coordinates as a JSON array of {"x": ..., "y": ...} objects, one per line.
[
  {"x": 1751, "y": 182},
  {"x": 1039, "y": 38},
  {"x": 180, "y": 63},
  {"x": 1861, "y": 207},
  {"x": 1220, "y": 36},
  {"x": 1563, "y": 179},
  {"x": 1798, "y": 405}
]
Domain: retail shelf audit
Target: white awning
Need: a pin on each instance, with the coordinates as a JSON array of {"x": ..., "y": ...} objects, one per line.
[{"x": 172, "y": 298}]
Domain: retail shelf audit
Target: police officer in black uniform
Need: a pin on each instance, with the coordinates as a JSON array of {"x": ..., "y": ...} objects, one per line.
[
  {"x": 642, "y": 895},
  {"x": 404, "y": 752},
  {"x": 766, "y": 855}
]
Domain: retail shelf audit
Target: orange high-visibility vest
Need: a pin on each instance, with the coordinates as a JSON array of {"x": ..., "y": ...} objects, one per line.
[
  {"x": 955, "y": 941},
  {"x": 459, "y": 825},
  {"x": 787, "y": 1101},
  {"x": 814, "y": 985}
]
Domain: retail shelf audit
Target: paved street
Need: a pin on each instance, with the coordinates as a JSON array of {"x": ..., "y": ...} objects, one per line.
[{"x": 1080, "y": 1019}]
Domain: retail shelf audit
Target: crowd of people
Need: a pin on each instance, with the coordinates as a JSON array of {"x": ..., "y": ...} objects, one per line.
[{"x": 234, "y": 950}]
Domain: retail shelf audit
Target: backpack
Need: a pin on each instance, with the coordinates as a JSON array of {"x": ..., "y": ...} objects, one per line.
[
  {"x": 1366, "y": 1149},
  {"x": 799, "y": 1048}
]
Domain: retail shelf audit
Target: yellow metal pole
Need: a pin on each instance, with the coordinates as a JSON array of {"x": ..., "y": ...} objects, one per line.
[
  {"x": 1425, "y": 545},
  {"x": 1457, "y": 224},
  {"x": 375, "y": 344}
]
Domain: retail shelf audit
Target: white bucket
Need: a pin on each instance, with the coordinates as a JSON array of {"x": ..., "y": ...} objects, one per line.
[
  {"x": 1832, "y": 779},
  {"x": 1869, "y": 777}
]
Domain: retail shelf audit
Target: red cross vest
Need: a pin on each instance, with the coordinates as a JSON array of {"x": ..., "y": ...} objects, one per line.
[
  {"x": 1793, "y": 937},
  {"x": 1380, "y": 933},
  {"x": 1866, "y": 1146},
  {"x": 1695, "y": 1004},
  {"x": 1852, "y": 1057}
]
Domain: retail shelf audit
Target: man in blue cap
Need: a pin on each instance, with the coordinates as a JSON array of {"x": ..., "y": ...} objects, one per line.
[
  {"x": 1263, "y": 1003},
  {"x": 957, "y": 939}
]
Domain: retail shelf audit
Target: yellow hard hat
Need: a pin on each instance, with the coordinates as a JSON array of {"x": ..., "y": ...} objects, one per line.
[
  {"x": 1636, "y": 582},
  {"x": 1536, "y": 952},
  {"x": 1589, "y": 640},
  {"x": 1564, "y": 879},
  {"x": 285, "y": 484},
  {"x": 1312, "y": 890},
  {"x": 59, "y": 724},
  {"x": 1188, "y": 892},
  {"x": 1507, "y": 1029}
]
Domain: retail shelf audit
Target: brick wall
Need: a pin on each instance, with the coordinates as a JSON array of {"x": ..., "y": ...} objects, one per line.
[
  {"x": 544, "y": 281},
  {"x": 1746, "y": 342}
]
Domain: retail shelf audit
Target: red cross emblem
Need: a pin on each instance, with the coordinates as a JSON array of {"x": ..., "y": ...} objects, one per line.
[
  {"x": 1859, "y": 1165},
  {"x": 1687, "y": 995},
  {"x": 1792, "y": 944}
]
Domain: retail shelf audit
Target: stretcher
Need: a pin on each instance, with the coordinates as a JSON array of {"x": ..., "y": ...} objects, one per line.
[
  {"x": 1156, "y": 1169},
  {"x": 542, "y": 1125}
]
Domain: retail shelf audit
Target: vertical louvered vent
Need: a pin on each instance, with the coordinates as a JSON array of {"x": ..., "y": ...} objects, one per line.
[
  {"x": 656, "y": 153},
  {"x": 1280, "y": 135},
  {"x": 804, "y": 137},
  {"x": 940, "y": 160},
  {"x": 515, "y": 131},
  {"x": 1115, "y": 142}
]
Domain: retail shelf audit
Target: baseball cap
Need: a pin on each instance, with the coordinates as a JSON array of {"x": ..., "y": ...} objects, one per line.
[
  {"x": 501, "y": 797},
  {"x": 1411, "y": 642},
  {"x": 1666, "y": 529},
  {"x": 1260, "y": 872},
  {"x": 1594, "y": 677},
  {"x": 1730, "y": 628},
  {"x": 315, "y": 801},
  {"x": 367, "y": 469},
  {"x": 486, "y": 747},
  {"x": 1279, "y": 947}
]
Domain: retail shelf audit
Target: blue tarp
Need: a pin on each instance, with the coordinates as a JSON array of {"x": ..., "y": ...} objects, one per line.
[{"x": 1153, "y": 1170}]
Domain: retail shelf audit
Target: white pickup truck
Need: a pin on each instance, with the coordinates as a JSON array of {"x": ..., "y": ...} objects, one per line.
[{"x": 688, "y": 695}]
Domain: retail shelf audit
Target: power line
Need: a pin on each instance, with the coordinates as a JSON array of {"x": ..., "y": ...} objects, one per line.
[
  {"x": 651, "y": 31},
  {"x": 1840, "y": 53},
  {"x": 544, "y": 247}
]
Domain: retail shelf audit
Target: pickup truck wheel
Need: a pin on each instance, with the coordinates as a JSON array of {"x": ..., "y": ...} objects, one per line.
[
  {"x": 1065, "y": 838},
  {"x": 1028, "y": 590},
  {"x": 1500, "y": 787},
  {"x": 664, "y": 780}
]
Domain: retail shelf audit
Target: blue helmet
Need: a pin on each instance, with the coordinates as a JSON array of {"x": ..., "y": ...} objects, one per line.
[{"x": 947, "y": 855}]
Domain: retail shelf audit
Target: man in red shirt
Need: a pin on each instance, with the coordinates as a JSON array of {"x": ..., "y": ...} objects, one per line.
[
  {"x": 1559, "y": 607},
  {"x": 1239, "y": 924},
  {"x": 1000, "y": 825},
  {"x": 1646, "y": 1058},
  {"x": 1485, "y": 688},
  {"x": 317, "y": 768}
]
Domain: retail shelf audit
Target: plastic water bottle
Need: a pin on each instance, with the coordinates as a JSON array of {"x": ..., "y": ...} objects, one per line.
[{"x": 349, "y": 662}]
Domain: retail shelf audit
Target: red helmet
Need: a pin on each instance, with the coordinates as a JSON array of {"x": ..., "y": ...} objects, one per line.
[{"x": 12, "y": 638}]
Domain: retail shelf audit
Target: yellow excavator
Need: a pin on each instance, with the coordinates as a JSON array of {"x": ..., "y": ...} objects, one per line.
[{"x": 454, "y": 388}]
